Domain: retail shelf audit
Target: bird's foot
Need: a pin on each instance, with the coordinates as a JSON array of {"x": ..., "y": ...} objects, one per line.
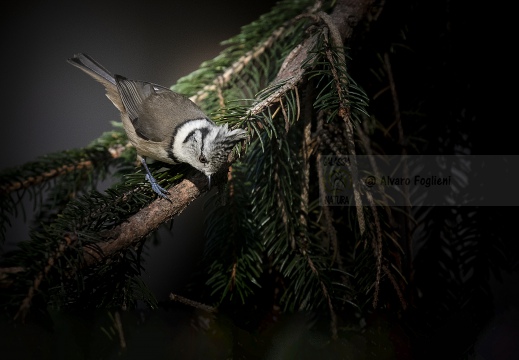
[{"x": 163, "y": 193}]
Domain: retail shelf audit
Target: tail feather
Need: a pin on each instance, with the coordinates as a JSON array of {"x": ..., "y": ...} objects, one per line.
[
  {"x": 98, "y": 72},
  {"x": 91, "y": 67}
]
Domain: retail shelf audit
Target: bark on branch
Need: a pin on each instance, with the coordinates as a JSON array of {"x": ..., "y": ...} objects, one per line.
[{"x": 147, "y": 220}]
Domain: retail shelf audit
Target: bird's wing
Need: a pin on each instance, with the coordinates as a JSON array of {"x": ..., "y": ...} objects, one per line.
[{"x": 154, "y": 110}]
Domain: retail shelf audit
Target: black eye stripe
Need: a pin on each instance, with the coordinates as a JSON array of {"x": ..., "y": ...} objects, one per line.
[{"x": 191, "y": 136}]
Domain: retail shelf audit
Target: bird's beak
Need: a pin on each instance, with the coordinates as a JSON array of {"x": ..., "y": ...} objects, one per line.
[{"x": 209, "y": 181}]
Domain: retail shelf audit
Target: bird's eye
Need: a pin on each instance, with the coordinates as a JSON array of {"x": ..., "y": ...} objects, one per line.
[{"x": 202, "y": 159}]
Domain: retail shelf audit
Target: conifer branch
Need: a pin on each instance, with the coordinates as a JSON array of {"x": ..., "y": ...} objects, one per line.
[
  {"x": 305, "y": 156},
  {"x": 47, "y": 175},
  {"x": 125, "y": 235},
  {"x": 26, "y": 303},
  {"x": 328, "y": 218},
  {"x": 220, "y": 81},
  {"x": 232, "y": 71},
  {"x": 377, "y": 247},
  {"x": 341, "y": 83},
  {"x": 140, "y": 225},
  {"x": 290, "y": 74},
  {"x": 330, "y": 229},
  {"x": 115, "y": 151}
]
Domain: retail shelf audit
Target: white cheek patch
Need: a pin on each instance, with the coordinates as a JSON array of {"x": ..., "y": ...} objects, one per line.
[{"x": 183, "y": 132}]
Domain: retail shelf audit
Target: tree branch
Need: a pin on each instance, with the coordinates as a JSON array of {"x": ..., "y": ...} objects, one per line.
[
  {"x": 115, "y": 152},
  {"x": 147, "y": 220}
]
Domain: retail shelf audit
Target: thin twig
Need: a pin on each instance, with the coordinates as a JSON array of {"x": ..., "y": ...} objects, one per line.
[
  {"x": 120, "y": 331},
  {"x": 333, "y": 315},
  {"x": 305, "y": 181},
  {"x": 377, "y": 246},
  {"x": 281, "y": 204},
  {"x": 6, "y": 279},
  {"x": 232, "y": 280},
  {"x": 192, "y": 303},
  {"x": 395, "y": 286},
  {"x": 328, "y": 217}
]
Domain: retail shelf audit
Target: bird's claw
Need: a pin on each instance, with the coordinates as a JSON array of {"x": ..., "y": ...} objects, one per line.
[{"x": 159, "y": 190}]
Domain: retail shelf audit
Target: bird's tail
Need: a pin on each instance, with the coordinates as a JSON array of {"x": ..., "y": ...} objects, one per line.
[
  {"x": 98, "y": 72},
  {"x": 92, "y": 68}
]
